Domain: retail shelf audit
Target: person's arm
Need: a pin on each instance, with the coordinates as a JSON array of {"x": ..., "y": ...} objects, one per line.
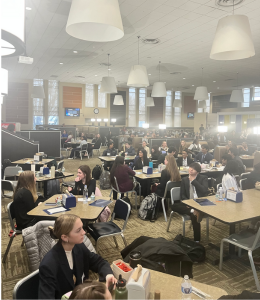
[
  {"x": 184, "y": 194},
  {"x": 130, "y": 171},
  {"x": 163, "y": 180},
  {"x": 47, "y": 282},
  {"x": 190, "y": 147},
  {"x": 74, "y": 191},
  {"x": 201, "y": 187},
  {"x": 92, "y": 187}
]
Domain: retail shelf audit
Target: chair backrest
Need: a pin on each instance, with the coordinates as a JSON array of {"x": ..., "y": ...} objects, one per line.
[
  {"x": 122, "y": 211},
  {"x": 27, "y": 288},
  {"x": 256, "y": 157},
  {"x": 211, "y": 182},
  {"x": 175, "y": 194},
  {"x": 60, "y": 165},
  {"x": 244, "y": 175},
  {"x": 257, "y": 240},
  {"x": 169, "y": 186},
  {"x": 11, "y": 215},
  {"x": 84, "y": 147},
  {"x": 242, "y": 184},
  {"x": 7, "y": 185},
  {"x": 11, "y": 171}
]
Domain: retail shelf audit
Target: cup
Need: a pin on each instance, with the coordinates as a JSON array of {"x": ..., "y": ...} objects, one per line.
[{"x": 135, "y": 258}]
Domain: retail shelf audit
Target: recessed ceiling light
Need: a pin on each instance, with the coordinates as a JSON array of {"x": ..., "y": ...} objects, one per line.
[
  {"x": 193, "y": 85},
  {"x": 75, "y": 51},
  {"x": 61, "y": 63},
  {"x": 95, "y": 75},
  {"x": 28, "y": 8},
  {"x": 183, "y": 78},
  {"x": 214, "y": 80},
  {"x": 218, "y": 88},
  {"x": 149, "y": 74},
  {"x": 109, "y": 69}
]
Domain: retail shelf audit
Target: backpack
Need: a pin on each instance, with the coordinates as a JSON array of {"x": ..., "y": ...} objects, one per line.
[
  {"x": 96, "y": 172},
  {"x": 147, "y": 209},
  {"x": 127, "y": 200},
  {"x": 104, "y": 181},
  {"x": 195, "y": 251}
]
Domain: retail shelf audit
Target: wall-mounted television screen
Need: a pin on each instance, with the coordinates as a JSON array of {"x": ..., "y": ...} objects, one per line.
[
  {"x": 190, "y": 115},
  {"x": 72, "y": 112}
]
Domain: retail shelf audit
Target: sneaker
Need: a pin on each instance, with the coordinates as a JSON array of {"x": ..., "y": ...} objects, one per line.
[{"x": 70, "y": 158}]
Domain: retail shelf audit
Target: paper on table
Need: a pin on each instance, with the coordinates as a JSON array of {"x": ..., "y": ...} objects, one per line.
[
  {"x": 56, "y": 210},
  {"x": 80, "y": 199}
]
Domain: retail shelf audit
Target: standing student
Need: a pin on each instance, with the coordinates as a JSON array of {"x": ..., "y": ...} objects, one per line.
[
  {"x": 68, "y": 263},
  {"x": 201, "y": 129},
  {"x": 142, "y": 160},
  {"x": 204, "y": 156},
  {"x": 83, "y": 178},
  {"x": 185, "y": 160},
  {"x": 146, "y": 148}
]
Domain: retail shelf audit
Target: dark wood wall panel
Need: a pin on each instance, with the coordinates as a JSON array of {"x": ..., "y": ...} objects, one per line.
[
  {"x": 221, "y": 102},
  {"x": 72, "y": 97},
  {"x": 17, "y": 103},
  {"x": 189, "y": 104},
  {"x": 156, "y": 112},
  {"x": 118, "y": 112}
]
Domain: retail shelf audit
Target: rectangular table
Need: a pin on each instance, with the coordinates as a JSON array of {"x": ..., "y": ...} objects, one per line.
[
  {"x": 84, "y": 211},
  {"x": 230, "y": 212},
  {"x": 25, "y": 163},
  {"x": 112, "y": 158}
]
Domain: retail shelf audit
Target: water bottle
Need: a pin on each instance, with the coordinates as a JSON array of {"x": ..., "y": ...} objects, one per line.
[
  {"x": 186, "y": 288},
  {"x": 220, "y": 197},
  {"x": 92, "y": 196},
  {"x": 85, "y": 194}
]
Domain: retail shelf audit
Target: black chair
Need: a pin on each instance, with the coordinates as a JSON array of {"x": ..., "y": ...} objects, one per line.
[
  {"x": 107, "y": 229},
  {"x": 11, "y": 216},
  {"x": 60, "y": 165},
  {"x": 244, "y": 175},
  {"x": 246, "y": 184},
  {"x": 84, "y": 151},
  {"x": 27, "y": 288},
  {"x": 7, "y": 186}
]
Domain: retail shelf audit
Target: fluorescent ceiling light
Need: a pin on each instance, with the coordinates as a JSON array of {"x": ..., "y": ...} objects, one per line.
[
  {"x": 222, "y": 129},
  {"x": 113, "y": 120},
  {"x": 98, "y": 120},
  {"x": 93, "y": 120},
  {"x": 105, "y": 120},
  {"x": 28, "y": 8},
  {"x": 162, "y": 126},
  {"x": 145, "y": 125}
]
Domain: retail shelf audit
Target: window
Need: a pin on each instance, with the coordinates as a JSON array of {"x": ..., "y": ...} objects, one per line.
[
  {"x": 132, "y": 108},
  {"x": 102, "y": 97},
  {"x": 168, "y": 109},
  {"x": 200, "y": 110},
  {"x": 89, "y": 95},
  {"x": 246, "y": 93},
  {"x": 53, "y": 102},
  {"x": 177, "y": 111},
  {"x": 142, "y": 108},
  {"x": 38, "y": 106},
  {"x": 256, "y": 93}
]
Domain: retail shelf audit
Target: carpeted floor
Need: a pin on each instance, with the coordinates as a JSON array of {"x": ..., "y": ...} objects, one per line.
[{"x": 235, "y": 277}]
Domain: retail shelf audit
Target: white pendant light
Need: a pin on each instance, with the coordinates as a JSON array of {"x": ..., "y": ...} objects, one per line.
[
  {"x": 237, "y": 94},
  {"x": 233, "y": 39},
  {"x": 138, "y": 75},
  {"x": 159, "y": 89},
  {"x": 177, "y": 103},
  {"x": 149, "y": 101},
  {"x": 201, "y": 92},
  {"x": 108, "y": 84},
  {"x": 38, "y": 91},
  {"x": 202, "y": 104},
  {"x": 118, "y": 100},
  {"x": 96, "y": 21},
  {"x": 4, "y": 82}
]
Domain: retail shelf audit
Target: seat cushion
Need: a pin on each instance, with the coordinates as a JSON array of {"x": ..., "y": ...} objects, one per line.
[{"x": 96, "y": 230}]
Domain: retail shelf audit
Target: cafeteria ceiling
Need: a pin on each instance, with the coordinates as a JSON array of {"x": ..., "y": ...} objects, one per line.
[{"x": 185, "y": 29}]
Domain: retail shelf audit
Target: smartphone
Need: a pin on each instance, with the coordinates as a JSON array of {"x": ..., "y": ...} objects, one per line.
[{"x": 51, "y": 204}]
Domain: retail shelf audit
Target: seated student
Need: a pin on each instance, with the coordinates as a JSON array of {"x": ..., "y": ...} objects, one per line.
[
  {"x": 145, "y": 138},
  {"x": 182, "y": 146},
  {"x": 225, "y": 158},
  {"x": 83, "y": 178},
  {"x": 83, "y": 136},
  {"x": 110, "y": 151},
  {"x": 185, "y": 160},
  {"x": 163, "y": 147},
  {"x": 234, "y": 154},
  {"x": 91, "y": 289},
  {"x": 204, "y": 156},
  {"x": 244, "y": 149},
  {"x": 195, "y": 146},
  {"x": 228, "y": 179},
  {"x": 97, "y": 144},
  {"x": 25, "y": 198},
  {"x": 155, "y": 153},
  {"x": 64, "y": 134},
  {"x": 170, "y": 173},
  {"x": 254, "y": 176},
  {"x": 141, "y": 160},
  {"x": 122, "y": 173},
  {"x": 147, "y": 149},
  {"x": 171, "y": 151},
  {"x": 68, "y": 263},
  {"x": 129, "y": 150},
  {"x": 82, "y": 142},
  {"x": 70, "y": 138},
  {"x": 193, "y": 186}
]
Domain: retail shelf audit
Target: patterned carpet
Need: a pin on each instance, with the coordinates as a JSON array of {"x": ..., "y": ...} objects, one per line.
[{"x": 235, "y": 277}]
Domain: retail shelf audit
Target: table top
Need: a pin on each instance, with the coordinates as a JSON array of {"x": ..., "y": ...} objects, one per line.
[
  {"x": 170, "y": 287},
  {"x": 112, "y": 158},
  {"x": 229, "y": 211},
  {"x": 247, "y": 157},
  {"x": 29, "y": 161},
  {"x": 84, "y": 211},
  {"x": 44, "y": 178}
]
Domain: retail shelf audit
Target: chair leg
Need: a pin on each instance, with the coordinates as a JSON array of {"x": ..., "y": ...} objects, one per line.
[
  {"x": 110, "y": 193},
  {"x": 239, "y": 252},
  {"x": 22, "y": 243},
  {"x": 254, "y": 270},
  {"x": 8, "y": 247},
  {"x": 124, "y": 240},
  {"x": 221, "y": 255},
  {"x": 115, "y": 241},
  {"x": 140, "y": 193},
  {"x": 214, "y": 222},
  {"x": 164, "y": 211},
  {"x": 183, "y": 227},
  {"x": 135, "y": 199},
  {"x": 97, "y": 246},
  {"x": 169, "y": 221}
]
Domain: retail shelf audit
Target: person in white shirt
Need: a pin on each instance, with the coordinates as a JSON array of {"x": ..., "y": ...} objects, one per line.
[
  {"x": 228, "y": 179},
  {"x": 163, "y": 146},
  {"x": 195, "y": 146},
  {"x": 147, "y": 149},
  {"x": 82, "y": 142}
]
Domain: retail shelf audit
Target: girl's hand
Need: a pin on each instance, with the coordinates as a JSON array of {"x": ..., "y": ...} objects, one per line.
[
  {"x": 77, "y": 179},
  {"x": 110, "y": 279},
  {"x": 70, "y": 189}
]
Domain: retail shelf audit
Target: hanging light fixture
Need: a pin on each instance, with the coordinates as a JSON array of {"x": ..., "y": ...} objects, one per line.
[
  {"x": 108, "y": 84},
  {"x": 233, "y": 39},
  {"x": 237, "y": 94},
  {"x": 38, "y": 91},
  {"x": 95, "y": 21},
  {"x": 202, "y": 104},
  {"x": 118, "y": 100},
  {"x": 159, "y": 89},
  {"x": 149, "y": 101},
  {"x": 201, "y": 92},
  {"x": 138, "y": 75},
  {"x": 177, "y": 103},
  {"x": 4, "y": 82}
]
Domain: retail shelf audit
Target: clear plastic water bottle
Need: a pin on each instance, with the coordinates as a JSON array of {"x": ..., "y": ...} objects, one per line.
[
  {"x": 92, "y": 197},
  {"x": 220, "y": 197},
  {"x": 85, "y": 194},
  {"x": 186, "y": 288}
]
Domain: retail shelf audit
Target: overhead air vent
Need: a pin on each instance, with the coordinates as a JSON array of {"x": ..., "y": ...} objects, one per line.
[
  {"x": 79, "y": 76},
  {"x": 54, "y": 76},
  {"x": 229, "y": 79},
  {"x": 228, "y": 3},
  {"x": 175, "y": 73},
  {"x": 105, "y": 64},
  {"x": 151, "y": 41}
]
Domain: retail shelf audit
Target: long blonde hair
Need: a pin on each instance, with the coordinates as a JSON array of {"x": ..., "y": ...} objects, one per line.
[
  {"x": 172, "y": 168},
  {"x": 26, "y": 181}
]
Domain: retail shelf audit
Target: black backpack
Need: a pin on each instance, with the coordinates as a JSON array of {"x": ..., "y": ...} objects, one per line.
[
  {"x": 96, "y": 172},
  {"x": 195, "y": 251}
]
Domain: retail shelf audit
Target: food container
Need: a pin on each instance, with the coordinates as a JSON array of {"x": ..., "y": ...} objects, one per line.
[{"x": 117, "y": 271}]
